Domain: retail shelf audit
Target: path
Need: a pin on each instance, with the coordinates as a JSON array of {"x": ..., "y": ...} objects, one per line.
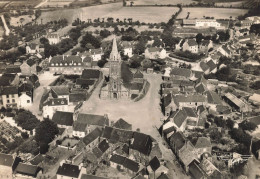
[{"x": 41, "y": 3}]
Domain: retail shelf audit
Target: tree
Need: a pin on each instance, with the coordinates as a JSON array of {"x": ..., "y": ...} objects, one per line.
[
  {"x": 215, "y": 135},
  {"x": 255, "y": 85},
  {"x": 199, "y": 38},
  {"x": 157, "y": 42},
  {"x": 104, "y": 33},
  {"x": 26, "y": 120},
  {"x": 230, "y": 123},
  {"x": 240, "y": 136},
  {"x": 247, "y": 125},
  {"x": 89, "y": 38},
  {"x": 21, "y": 21},
  {"x": 46, "y": 131},
  {"x": 101, "y": 63},
  {"x": 29, "y": 146},
  {"x": 140, "y": 47},
  {"x": 44, "y": 41}
]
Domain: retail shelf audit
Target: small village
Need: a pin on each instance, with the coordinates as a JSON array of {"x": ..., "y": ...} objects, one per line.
[{"x": 118, "y": 98}]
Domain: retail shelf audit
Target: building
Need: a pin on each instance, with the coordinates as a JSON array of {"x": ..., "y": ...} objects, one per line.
[
  {"x": 66, "y": 64},
  {"x": 255, "y": 99},
  {"x": 203, "y": 145},
  {"x": 96, "y": 54},
  {"x": 63, "y": 119},
  {"x": 32, "y": 48},
  {"x": 25, "y": 95},
  {"x": 205, "y": 23},
  {"x": 225, "y": 51},
  {"x": 127, "y": 48},
  {"x": 205, "y": 45},
  {"x": 10, "y": 98},
  {"x": 28, "y": 67},
  {"x": 85, "y": 123},
  {"x": 8, "y": 163},
  {"x": 115, "y": 88},
  {"x": 122, "y": 124},
  {"x": 155, "y": 53},
  {"x": 236, "y": 103},
  {"x": 92, "y": 139},
  {"x": 68, "y": 171},
  {"x": 51, "y": 105},
  {"x": 192, "y": 101},
  {"x": 190, "y": 45},
  {"x": 53, "y": 38},
  {"x": 27, "y": 171}
]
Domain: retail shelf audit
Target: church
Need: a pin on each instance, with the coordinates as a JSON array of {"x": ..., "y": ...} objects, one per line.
[{"x": 121, "y": 83}]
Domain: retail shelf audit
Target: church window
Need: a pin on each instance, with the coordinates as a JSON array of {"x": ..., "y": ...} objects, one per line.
[{"x": 114, "y": 85}]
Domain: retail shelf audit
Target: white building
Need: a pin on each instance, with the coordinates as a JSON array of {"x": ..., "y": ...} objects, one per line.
[
  {"x": 53, "y": 38},
  {"x": 155, "y": 53},
  {"x": 25, "y": 100},
  {"x": 190, "y": 45},
  {"x": 207, "y": 23}
]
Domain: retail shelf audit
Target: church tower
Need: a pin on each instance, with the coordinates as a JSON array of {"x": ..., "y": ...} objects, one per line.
[{"x": 115, "y": 82}]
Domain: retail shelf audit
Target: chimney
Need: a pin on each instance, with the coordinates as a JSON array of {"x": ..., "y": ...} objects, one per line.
[{"x": 62, "y": 57}]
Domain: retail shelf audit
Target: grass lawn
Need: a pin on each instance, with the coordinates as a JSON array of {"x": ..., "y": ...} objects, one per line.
[
  {"x": 162, "y": 2},
  {"x": 71, "y": 142}
]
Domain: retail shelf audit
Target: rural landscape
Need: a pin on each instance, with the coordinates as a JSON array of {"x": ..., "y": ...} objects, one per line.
[{"x": 130, "y": 89}]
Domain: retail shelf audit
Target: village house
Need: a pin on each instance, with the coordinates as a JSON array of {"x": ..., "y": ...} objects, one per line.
[
  {"x": 255, "y": 19},
  {"x": 66, "y": 64},
  {"x": 192, "y": 101},
  {"x": 51, "y": 105},
  {"x": 225, "y": 51},
  {"x": 13, "y": 69},
  {"x": 85, "y": 123},
  {"x": 25, "y": 95},
  {"x": 122, "y": 124},
  {"x": 155, "y": 53},
  {"x": 33, "y": 48},
  {"x": 241, "y": 32},
  {"x": 92, "y": 139},
  {"x": 96, "y": 54},
  {"x": 63, "y": 119},
  {"x": 255, "y": 99},
  {"x": 203, "y": 146},
  {"x": 10, "y": 98},
  {"x": 180, "y": 74},
  {"x": 184, "y": 118},
  {"x": 246, "y": 23},
  {"x": 8, "y": 163},
  {"x": 127, "y": 48},
  {"x": 202, "y": 23},
  {"x": 66, "y": 170},
  {"x": 27, "y": 171},
  {"x": 190, "y": 45},
  {"x": 205, "y": 45},
  {"x": 210, "y": 169},
  {"x": 28, "y": 67},
  {"x": 53, "y": 38}
]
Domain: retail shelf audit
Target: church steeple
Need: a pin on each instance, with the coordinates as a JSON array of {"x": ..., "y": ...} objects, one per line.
[{"x": 114, "y": 55}]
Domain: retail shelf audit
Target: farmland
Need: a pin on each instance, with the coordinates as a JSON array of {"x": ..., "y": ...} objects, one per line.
[
  {"x": 219, "y": 13},
  {"x": 143, "y": 14},
  {"x": 162, "y": 2}
]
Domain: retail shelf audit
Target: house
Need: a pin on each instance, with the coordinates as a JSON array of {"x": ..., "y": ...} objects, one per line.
[
  {"x": 60, "y": 92},
  {"x": 167, "y": 104},
  {"x": 138, "y": 77},
  {"x": 69, "y": 64},
  {"x": 122, "y": 124},
  {"x": 53, "y": 38},
  {"x": 10, "y": 98},
  {"x": 25, "y": 95},
  {"x": 242, "y": 32},
  {"x": 115, "y": 135},
  {"x": 51, "y": 105},
  {"x": 86, "y": 176},
  {"x": 255, "y": 19},
  {"x": 8, "y": 163},
  {"x": 192, "y": 101},
  {"x": 184, "y": 118},
  {"x": 29, "y": 67},
  {"x": 92, "y": 139},
  {"x": 209, "y": 168},
  {"x": 85, "y": 123},
  {"x": 9, "y": 80},
  {"x": 205, "y": 45},
  {"x": 163, "y": 176},
  {"x": 66, "y": 170},
  {"x": 63, "y": 119},
  {"x": 32, "y": 48},
  {"x": 127, "y": 48},
  {"x": 195, "y": 171},
  {"x": 203, "y": 145},
  {"x": 116, "y": 161},
  {"x": 236, "y": 103},
  {"x": 190, "y": 45},
  {"x": 213, "y": 99},
  {"x": 96, "y": 54},
  {"x": 212, "y": 66},
  {"x": 179, "y": 46},
  {"x": 180, "y": 74},
  {"x": 13, "y": 69},
  {"x": 154, "y": 164},
  {"x": 27, "y": 171},
  {"x": 77, "y": 97},
  {"x": 225, "y": 51},
  {"x": 246, "y": 23},
  {"x": 155, "y": 53}
]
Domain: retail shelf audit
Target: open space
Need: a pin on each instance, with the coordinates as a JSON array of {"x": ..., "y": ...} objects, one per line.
[
  {"x": 162, "y": 2},
  {"x": 219, "y": 13}
]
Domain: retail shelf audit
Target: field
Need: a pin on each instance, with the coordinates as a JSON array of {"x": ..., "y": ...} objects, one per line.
[
  {"x": 115, "y": 10},
  {"x": 2, "y": 3},
  {"x": 162, "y": 2},
  {"x": 230, "y": 4},
  {"x": 15, "y": 21},
  {"x": 56, "y": 4},
  {"x": 217, "y": 13}
]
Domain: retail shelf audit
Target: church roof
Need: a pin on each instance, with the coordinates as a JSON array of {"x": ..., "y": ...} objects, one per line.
[{"x": 114, "y": 55}]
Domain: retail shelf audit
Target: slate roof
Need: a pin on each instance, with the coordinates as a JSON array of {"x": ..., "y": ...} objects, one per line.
[
  {"x": 126, "y": 44},
  {"x": 25, "y": 87},
  {"x": 96, "y": 51},
  {"x": 87, "y": 82},
  {"x": 154, "y": 163},
  {"x": 196, "y": 171},
  {"x": 142, "y": 143},
  {"x": 201, "y": 88},
  {"x": 213, "y": 98},
  {"x": 60, "y": 90},
  {"x": 131, "y": 165},
  {"x": 189, "y": 98},
  {"x": 138, "y": 74},
  {"x": 33, "y": 46},
  {"x": 223, "y": 109},
  {"x": 92, "y": 119},
  {"x": 155, "y": 49},
  {"x": 178, "y": 139},
  {"x": 86, "y": 176},
  {"x": 77, "y": 97},
  {"x": 63, "y": 118},
  {"x": 6, "y": 79},
  {"x": 181, "y": 72},
  {"x": 56, "y": 102},
  {"x": 163, "y": 176},
  {"x": 204, "y": 66},
  {"x": 90, "y": 74},
  {"x": 13, "y": 69},
  {"x": 167, "y": 99},
  {"x": 115, "y": 135},
  {"x": 192, "y": 42},
  {"x": 180, "y": 116},
  {"x": 205, "y": 42},
  {"x": 255, "y": 120},
  {"x": 61, "y": 60},
  {"x": 97, "y": 152},
  {"x": 92, "y": 136},
  {"x": 103, "y": 145},
  {"x": 6, "y": 160},
  {"x": 37, "y": 160},
  {"x": 122, "y": 124},
  {"x": 77, "y": 126},
  {"x": 203, "y": 142},
  {"x": 211, "y": 65},
  {"x": 31, "y": 62},
  {"x": 118, "y": 159},
  {"x": 136, "y": 86},
  {"x": 27, "y": 169},
  {"x": 9, "y": 90},
  {"x": 69, "y": 170}
]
